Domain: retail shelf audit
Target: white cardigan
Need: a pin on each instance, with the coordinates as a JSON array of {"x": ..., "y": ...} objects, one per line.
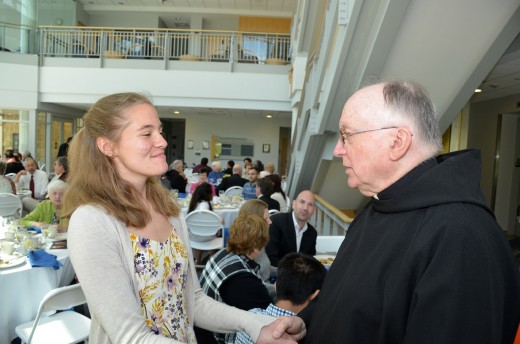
[{"x": 101, "y": 253}]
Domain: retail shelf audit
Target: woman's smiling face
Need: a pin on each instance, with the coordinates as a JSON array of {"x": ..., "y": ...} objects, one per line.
[{"x": 139, "y": 152}]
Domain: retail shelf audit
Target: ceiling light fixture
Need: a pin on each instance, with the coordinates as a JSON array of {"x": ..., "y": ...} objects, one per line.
[
  {"x": 478, "y": 90},
  {"x": 176, "y": 112},
  {"x": 269, "y": 116}
]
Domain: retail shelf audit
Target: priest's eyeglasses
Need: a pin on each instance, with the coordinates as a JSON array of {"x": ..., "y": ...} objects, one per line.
[{"x": 345, "y": 136}]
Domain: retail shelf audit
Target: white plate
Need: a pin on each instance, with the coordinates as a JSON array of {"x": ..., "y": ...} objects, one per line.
[
  {"x": 325, "y": 259},
  {"x": 12, "y": 261}
]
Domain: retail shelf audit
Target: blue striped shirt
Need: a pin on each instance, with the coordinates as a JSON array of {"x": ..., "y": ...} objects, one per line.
[{"x": 272, "y": 310}]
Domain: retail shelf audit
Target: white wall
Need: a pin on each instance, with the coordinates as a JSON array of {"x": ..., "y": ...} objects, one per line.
[
  {"x": 260, "y": 131},
  {"x": 19, "y": 86},
  {"x": 133, "y": 20},
  {"x": 175, "y": 88}
]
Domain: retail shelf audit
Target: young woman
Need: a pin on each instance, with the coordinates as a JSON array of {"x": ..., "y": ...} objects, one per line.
[{"x": 128, "y": 244}]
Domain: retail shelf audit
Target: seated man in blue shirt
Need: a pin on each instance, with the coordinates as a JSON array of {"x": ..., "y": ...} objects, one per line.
[
  {"x": 298, "y": 280},
  {"x": 249, "y": 191}
]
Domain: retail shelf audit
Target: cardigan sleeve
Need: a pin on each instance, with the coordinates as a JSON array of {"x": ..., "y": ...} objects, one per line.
[{"x": 97, "y": 254}]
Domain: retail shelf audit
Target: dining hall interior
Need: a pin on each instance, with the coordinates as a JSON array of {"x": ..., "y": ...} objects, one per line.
[{"x": 268, "y": 79}]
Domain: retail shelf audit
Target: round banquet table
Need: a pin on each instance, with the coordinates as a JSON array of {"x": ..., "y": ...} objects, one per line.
[{"x": 23, "y": 287}]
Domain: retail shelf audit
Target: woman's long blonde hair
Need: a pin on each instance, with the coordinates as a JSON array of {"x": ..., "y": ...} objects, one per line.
[{"x": 93, "y": 176}]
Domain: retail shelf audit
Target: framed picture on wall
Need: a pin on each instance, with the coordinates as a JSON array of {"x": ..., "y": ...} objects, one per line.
[
  {"x": 205, "y": 144},
  {"x": 266, "y": 148},
  {"x": 190, "y": 144}
]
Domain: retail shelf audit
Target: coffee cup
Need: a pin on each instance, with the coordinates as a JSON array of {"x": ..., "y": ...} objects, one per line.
[
  {"x": 10, "y": 235},
  {"x": 8, "y": 247}
]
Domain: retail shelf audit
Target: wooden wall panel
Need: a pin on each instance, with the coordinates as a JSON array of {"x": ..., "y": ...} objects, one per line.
[{"x": 263, "y": 24}]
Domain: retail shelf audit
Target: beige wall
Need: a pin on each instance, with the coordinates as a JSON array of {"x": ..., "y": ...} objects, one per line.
[{"x": 482, "y": 134}]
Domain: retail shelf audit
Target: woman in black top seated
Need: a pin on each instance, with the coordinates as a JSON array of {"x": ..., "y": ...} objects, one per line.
[{"x": 231, "y": 275}]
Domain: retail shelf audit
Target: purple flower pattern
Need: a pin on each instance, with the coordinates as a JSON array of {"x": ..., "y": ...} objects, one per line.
[{"x": 161, "y": 269}]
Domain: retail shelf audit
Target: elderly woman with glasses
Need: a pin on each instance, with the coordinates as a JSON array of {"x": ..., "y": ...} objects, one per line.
[{"x": 49, "y": 211}]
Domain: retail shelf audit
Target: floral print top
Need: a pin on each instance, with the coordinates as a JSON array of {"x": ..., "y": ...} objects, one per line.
[{"x": 161, "y": 269}]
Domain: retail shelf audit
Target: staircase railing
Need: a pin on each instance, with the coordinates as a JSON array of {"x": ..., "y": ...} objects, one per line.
[{"x": 328, "y": 220}]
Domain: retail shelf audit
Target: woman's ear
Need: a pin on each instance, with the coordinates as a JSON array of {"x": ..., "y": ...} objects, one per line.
[
  {"x": 105, "y": 146},
  {"x": 401, "y": 142}
]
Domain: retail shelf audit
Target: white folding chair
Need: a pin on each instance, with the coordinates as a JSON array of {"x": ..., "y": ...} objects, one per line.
[
  {"x": 234, "y": 191},
  {"x": 202, "y": 227},
  {"x": 273, "y": 211},
  {"x": 10, "y": 205},
  {"x": 62, "y": 327},
  {"x": 328, "y": 243},
  {"x": 11, "y": 175}
]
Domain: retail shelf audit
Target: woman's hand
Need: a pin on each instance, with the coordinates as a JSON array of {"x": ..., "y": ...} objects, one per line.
[
  {"x": 41, "y": 225},
  {"x": 284, "y": 330}
]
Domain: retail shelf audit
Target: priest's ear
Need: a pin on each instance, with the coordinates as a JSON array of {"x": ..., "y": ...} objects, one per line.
[{"x": 401, "y": 142}]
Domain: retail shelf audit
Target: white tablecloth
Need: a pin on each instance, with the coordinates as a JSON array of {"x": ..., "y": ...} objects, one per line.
[
  {"x": 23, "y": 287},
  {"x": 228, "y": 214}
]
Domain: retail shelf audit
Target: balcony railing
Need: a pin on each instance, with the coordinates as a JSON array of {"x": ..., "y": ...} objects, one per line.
[{"x": 168, "y": 44}]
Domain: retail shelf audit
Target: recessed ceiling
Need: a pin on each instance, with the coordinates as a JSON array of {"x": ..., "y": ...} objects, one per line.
[{"x": 504, "y": 78}]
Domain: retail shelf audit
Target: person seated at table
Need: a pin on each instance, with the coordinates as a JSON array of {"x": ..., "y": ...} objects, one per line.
[
  {"x": 249, "y": 191},
  {"x": 258, "y": 165},
  {"x": 203, "y": 164},
  {"x": 216, "y": 173},
  {"x": 176, "y": 176},
  {"x": 6, "y": 183},
  {"x": 203, "y": 178},
  {"x": 229, "y": 169},
  {"x": 231, "y": 275},
  {"x": 291, "y": 232},
  {"x": 247, "y": 164},
  {"x": 264, "y": 189},
  {"x": 298, "y": 281},
  {"x": 258, "y": 207},
  {"x": 49, "y": 211},
  {"x": 13, "y": 164},
  {"x": 234, "y": 180},
  {"x": 61, "y": 168},
  {"x": 278, "y": 194},
  {"x": 268, "y": 170},
  {"x": 201, "y": 200},
  {"x": 32, "y": 179}
]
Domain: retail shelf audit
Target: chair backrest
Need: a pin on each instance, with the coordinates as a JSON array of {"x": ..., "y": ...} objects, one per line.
[
  {"x": 59, "y": 299},
  {"x": 193, "y": 178},
  {"x": 234, "y": 191},
  {"x": 11, "y": 175},
  {"x": 10, "y": 205},
  {"x": 328, "y": 243},
  {"x": 202, "y": 227},
  {"x": 273, "y": 211}
]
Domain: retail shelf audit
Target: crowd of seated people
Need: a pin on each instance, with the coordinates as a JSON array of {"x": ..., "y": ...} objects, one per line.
[
  {"x": 241, "y": 273},
  {"x": 43, "y": 205}
]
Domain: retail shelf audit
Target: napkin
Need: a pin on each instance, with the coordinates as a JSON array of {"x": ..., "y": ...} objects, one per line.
[
  {"x": 34, "y": 229},
  {"x": 40, "y": 258}
]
